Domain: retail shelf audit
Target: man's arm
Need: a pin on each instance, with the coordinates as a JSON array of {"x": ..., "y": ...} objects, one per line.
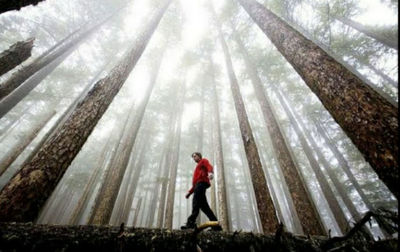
[{"x": 209, "y": 168}]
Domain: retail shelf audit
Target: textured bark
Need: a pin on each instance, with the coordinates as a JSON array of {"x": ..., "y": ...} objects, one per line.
[
  {"x": 368, "y": 119},
  {"x": 24, "y": 195},
  {"x": 14, "y": 89},
  {"x": 305, "y": 208},
  {"x": 110, "y": 188},
  {"x": 390, "y": 42},
  {"x": 339, "y": 58},
  {"x": 330, "y": 197},
  {"x": 173, "y": 168},
  {"x": 13, "y": 153},
  {"x": 15, "y": 55},
  {"x": 264, "y": 202},
  {"x": 219, "y": 157},
  {"x": 7, "y": 5}
]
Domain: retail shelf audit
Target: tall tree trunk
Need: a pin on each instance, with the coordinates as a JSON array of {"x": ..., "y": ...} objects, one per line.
[
  {"x": 368, "y": 119},
  {"x": 323, "y": 182},
  {"x": 339, "y": 58},
  {"x": 264, "y": 202},
  {"x": 14, "y": 152},
  {"x": 24, "y": 195},
  {"x": 15, "y": 55},
  {"x": 390, "y": 42},
  {"x": 173, "y": 168},
  {"x": 137, "y": 210},
  {"x": 382, "y": 75},
  {"x": 110, "y": 188},
  {"x": 7, "y": 5},
  {"x": 26, "y": 79},
  {"x": 219, "y": 156},
  {"x": 165, "y": 165},
  {"x": 153, "y": 204},
  {"x": 89, "y": 187},
  {"x": 63, "y": 117},
  {"x": 343, "y": 164},
  {"x": 305, "y": 208},
  {"x": 122, "y": 212}
]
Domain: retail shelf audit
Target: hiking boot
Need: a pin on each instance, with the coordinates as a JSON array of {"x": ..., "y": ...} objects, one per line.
[{"x": 188, "y": 225}]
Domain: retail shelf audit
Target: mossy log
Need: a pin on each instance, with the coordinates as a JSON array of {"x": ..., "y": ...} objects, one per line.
[{"x": 31, "y": 237}]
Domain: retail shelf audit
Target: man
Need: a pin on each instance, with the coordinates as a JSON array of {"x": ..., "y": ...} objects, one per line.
[{"x": 201, "y": 181}]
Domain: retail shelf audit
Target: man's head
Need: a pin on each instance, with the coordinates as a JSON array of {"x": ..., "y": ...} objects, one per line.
[{"x": 197, "y": 156}]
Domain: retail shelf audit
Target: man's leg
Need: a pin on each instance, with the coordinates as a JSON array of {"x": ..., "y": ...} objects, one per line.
[
  {"x": 204, "y": 204},
  {"x": 191, "y": 222}
]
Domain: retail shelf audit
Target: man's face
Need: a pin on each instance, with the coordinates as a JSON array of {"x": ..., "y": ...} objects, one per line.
[{"x": 196, "y": 158}]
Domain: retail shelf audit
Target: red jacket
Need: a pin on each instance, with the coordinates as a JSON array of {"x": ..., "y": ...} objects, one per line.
[{"x": 200, "y": 174}]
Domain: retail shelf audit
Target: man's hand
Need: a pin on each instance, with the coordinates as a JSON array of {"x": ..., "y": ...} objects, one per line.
[
  {"x": 210, "y": 175},
  {"x": 188, "y": 195}
]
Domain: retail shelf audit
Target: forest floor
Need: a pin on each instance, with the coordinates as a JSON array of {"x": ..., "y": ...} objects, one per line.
[{"x": 34, "y": 237}]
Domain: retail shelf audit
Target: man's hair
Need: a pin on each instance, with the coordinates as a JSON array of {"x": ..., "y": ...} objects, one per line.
[{"x": 198, "y": 154}]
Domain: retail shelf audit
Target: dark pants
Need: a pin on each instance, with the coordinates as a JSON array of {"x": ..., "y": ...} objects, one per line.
[{"x": 200, "y": 202}]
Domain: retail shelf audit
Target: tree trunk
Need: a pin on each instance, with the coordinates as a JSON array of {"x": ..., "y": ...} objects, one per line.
[
  {"x": 323, "y": 182},
  {"x": 137, "y": 210},
  {"x": 110, "y": 188},
  {"x": 368, "y": 119},
  {"x": 89, "y": 187},
  {"x": 219, "y": 156},
  {"x": 173, "y": 168},
  {"x": 264, "y": 202},
  {"x": 343, "y": 164},
  {"x": 382, "y": 75},
  {"x": 339, "y": 58},
  {"x": 62, "y": 118},
  {"x": 390, "y": 42},
  {"x": 14, "y": 152},
  {"x": 124, "y": 210},
  {"x": 7, "y": 5},
  {"x": 22, "y": 198},
  {"x": 26, "y": 79},
  {"x": 15, "y": 55},
  {"x": 305, "y": 208}
]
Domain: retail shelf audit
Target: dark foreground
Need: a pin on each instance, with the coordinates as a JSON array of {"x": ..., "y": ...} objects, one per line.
[{"x": 31, "y": 237}]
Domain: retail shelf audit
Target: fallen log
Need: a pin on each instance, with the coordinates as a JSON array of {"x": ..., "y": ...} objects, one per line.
[{"x": 33, "y": 237}]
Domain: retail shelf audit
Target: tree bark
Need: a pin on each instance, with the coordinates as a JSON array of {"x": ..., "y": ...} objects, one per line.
[
  {"x": 390, "y": 42},
  {"x": 368, "y": 119},
  {"x": 265, "y": 205},
  {"x": 219, "y": 157},
  {"x": 14, "y": 152},
  {"x": 305, "y": 208},
  {"x": 15, "y": 55},
  {"x": 22, "y": 198},
  {"x": 89, "y": 187},
  {"x": 7, "y": 5},
  {"x": 110, "y": 188}
]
